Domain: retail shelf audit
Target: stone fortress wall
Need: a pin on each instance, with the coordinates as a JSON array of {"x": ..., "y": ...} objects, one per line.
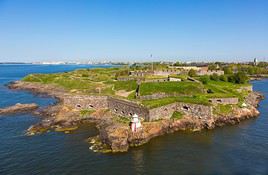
[
  {"x": 86, "y": 102},
  {"x": 127, "y": 108},
  {"x": 225, "y": 101},
  {"x": 193, "y": 110}
]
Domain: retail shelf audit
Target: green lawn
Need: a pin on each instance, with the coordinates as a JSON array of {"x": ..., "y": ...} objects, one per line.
[
  {"x": 225, "y": 89},
  {"x": 125, "y": 85},
  {"x": 222, "y": 109},
  {"x": 186, "y": 88},
  {"x": 84, "y": 80},
  {"x": 165, "y": 101}
]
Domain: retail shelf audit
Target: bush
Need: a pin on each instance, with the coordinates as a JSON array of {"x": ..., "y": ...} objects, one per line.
[
  {"x": 214, "y": 77},
  {"x": 204, "y": 79},
  {"x": 228, "y": 70},
  {"x": 239, "y": 78},
  {"x": 224, "y": 78},
  {"x": 231, "y": 78},
  {"x": 213, "y": 67},
  {"x": 192, "y": 73}
]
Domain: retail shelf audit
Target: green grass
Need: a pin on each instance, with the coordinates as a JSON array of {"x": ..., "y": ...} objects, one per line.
[
  {"x": 165, "y": 101},
  {"x": 181, "y": 76},
  {"x": 177, "y": 115},
  {"x": 222, "y": 89},
  {"x": 86, "y": 112},
  {"x": 222, "y": 109},
  {"x": 90, "y": 81},
  {"x": 159, "y": 102},
  {"x": 125, "y": 85},
  {"x": 187, "y": 88},
  {"x": 103, "y": 80},
  {"x": 120, "y": 119}
]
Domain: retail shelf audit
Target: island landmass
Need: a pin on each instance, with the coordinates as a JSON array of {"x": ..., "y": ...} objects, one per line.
[{"x": 166, "y": 98}]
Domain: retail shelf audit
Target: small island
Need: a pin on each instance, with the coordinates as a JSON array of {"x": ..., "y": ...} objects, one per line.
[{"x": 162, "y": 98}]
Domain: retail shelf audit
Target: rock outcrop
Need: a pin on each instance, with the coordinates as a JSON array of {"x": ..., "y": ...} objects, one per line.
[
  {"x": 18, "y": 108},
  {"x": 116, "y": 136}
]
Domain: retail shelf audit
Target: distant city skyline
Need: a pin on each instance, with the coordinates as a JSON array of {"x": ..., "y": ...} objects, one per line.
[{"x": 130, "y": 30}]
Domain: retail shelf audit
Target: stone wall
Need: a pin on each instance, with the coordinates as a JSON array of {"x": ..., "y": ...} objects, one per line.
[
  {"x": 224, "y": 101},
  {"x": 85, "y": 101},
  {"x": 156, "y": 80},
  {"x": 127, "y": 108},
  {"x": 210, "y": 72},
  {"x": 162, "y": 112},
  {"x": 126, "y": 78},
  {"x": 167, "y": 72},
  {"x": 195, "y": 110},
  {"x": 159, "y": 96},
  {"x": 140, "y": 73},
  {"x": 245, "y": 88},
  {"x": 154, "y": 96}
]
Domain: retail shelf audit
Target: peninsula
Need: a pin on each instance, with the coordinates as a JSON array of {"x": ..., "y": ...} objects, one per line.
[{"x": 165, "y": 97}]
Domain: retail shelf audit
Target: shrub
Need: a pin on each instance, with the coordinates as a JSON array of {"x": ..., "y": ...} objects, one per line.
[
  {"x": 214, "y": 77},
  {"x": 227, "y": 70},
  {"x": 192, "y": 73},
  {"x": 212, "y": 67},
  {"x": 231, "y": 78},
  {"x": 224, "y": 78},
  {"x": 241, "y": 78},
  {"x": 204, "y": 79}
]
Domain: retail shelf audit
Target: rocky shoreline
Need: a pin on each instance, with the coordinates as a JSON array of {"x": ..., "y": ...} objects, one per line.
[
  {"x": 116, "y": 136},
  {"x": 18, "y": 108}
]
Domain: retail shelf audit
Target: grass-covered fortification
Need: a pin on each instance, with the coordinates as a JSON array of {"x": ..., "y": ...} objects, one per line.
[{"x": 108, "y": 81}]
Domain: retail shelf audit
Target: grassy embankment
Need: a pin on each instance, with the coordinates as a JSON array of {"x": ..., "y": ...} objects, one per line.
[
  {"x": 197, "y": 93},
  {"x": 89, "y": 81}
]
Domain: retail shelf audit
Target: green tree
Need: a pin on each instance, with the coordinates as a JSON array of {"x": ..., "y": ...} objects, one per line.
[
  {"x": 212, "y": 67},
  {"x": 241, "y": 78},
  {"x": 227, "y": 70},
  {"x": 214, "y": 77},
  {"x": 192, "y": 73},
  {"x": 223, "y": 78},
  {"x": 231, "y": 78},
  {"x": 204, "y": 79}
]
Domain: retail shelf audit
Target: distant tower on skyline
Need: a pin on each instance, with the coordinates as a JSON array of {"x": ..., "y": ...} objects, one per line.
[{"x": 255, "y": 62}]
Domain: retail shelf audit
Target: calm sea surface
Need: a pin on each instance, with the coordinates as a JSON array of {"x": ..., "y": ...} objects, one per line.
[{"x": 239, "y": 149}]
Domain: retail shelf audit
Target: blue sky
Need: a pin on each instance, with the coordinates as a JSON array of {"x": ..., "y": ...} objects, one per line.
[{"x": 131, "y": 30}]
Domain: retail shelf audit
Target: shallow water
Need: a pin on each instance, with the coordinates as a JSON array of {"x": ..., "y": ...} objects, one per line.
[{"x": 239, "y": 149}]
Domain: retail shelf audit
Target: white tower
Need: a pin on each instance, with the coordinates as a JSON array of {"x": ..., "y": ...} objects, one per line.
[
  {"x": 255, "y": 62},
  {"x": 135, "y": 123}
]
